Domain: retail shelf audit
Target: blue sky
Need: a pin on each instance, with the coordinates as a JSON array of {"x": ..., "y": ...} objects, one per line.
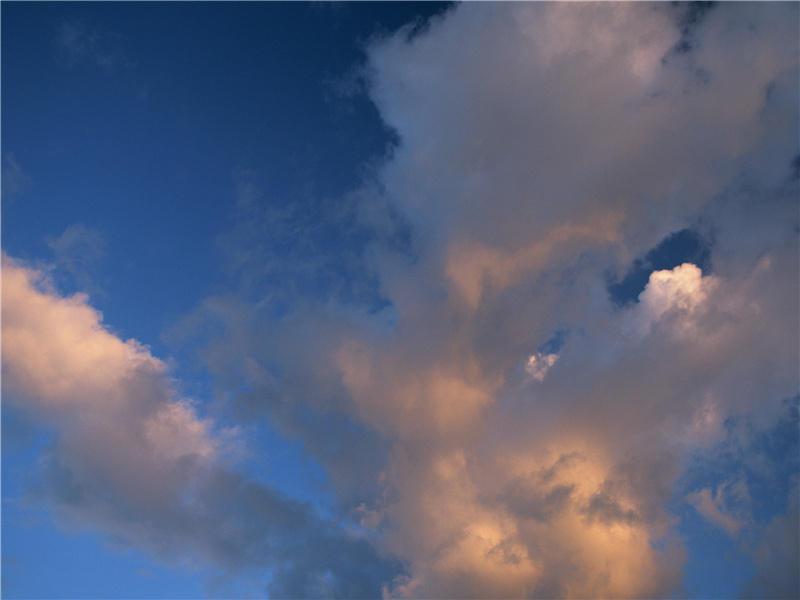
[{"x": 400, "y": 299}]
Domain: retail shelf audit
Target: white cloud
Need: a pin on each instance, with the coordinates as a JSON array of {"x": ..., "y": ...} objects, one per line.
[
  {"x": 681, "y": 288},
  {"x": 678, "y": 296}
]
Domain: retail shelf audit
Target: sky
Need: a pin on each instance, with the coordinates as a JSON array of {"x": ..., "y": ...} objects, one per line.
[{"x": 400, "y": 300}]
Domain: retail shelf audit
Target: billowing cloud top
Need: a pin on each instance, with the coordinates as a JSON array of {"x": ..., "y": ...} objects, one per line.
[{"x": 491, "y": 421}]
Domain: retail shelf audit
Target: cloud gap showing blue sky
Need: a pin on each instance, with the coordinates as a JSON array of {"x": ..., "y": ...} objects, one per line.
[{"x": 400, "y": 300}]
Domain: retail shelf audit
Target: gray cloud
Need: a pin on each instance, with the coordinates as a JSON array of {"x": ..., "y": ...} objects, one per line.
[{"x": 777, "y": 556}]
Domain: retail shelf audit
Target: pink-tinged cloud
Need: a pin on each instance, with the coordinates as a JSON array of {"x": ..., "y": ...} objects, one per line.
[
  {"x": 132, "y": 458},
  {"x": 121, "y": 423}
]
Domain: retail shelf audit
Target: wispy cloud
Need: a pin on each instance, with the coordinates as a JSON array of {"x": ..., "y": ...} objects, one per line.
[
  {"x": 80, "y": 43},
  {"x": 78, "y": 251},
  {"x": 14, "y": 177}
]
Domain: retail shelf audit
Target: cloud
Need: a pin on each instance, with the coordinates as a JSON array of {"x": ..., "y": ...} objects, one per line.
[
  {"x": 538, "y": 364},
  {"x": 314, "y": 248},
  {"x": 778, "y": 556},
  {"x": 77, "y": 252},
  {"x": 542, "y": 148},
  {"x": 131, "y": 457},
  {"x": 13, "y": 177},
  {"x": 714, "y": 509},
  {"x": 675, "y": 295},
  {"x": 80, "y": 43}
]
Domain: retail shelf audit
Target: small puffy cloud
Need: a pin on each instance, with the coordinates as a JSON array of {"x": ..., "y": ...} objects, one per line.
[
  {"x": 677, "y": 296},
  {"x": 174, "y": 431},
  {"x": 680, "y": 289}
]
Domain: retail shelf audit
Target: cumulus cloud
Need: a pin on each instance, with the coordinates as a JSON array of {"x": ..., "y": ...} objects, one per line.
[
  {"x": 132, "y": 457},
  {"x": 538, "y": 364},
  {"x": 543, "y": 146}
]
